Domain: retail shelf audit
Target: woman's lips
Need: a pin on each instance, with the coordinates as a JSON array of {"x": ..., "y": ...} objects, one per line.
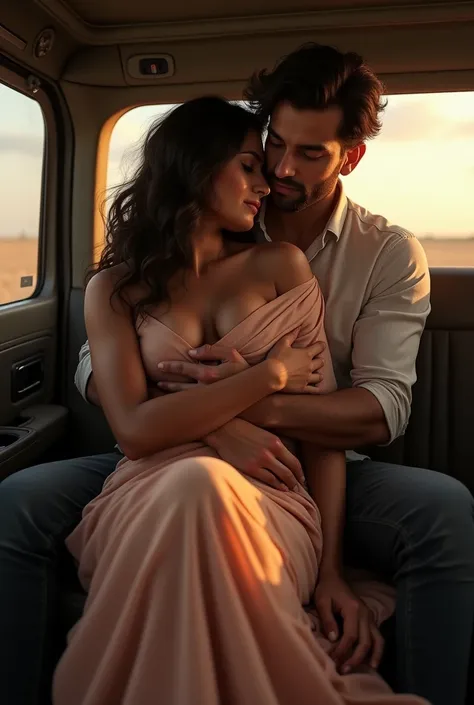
[{"x": 253, "y": 207}]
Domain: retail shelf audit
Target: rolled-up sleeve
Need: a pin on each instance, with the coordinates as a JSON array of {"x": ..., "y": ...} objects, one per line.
[
  {"x": 387, "y": 334},
  {"x": 84, "y": 370}
]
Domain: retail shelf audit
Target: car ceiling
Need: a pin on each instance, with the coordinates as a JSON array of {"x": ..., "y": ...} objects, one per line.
[
  {"x": 122, "y": 12},
  {"x": 101, "y": 22},
  {"x": 213, "y": 41}
]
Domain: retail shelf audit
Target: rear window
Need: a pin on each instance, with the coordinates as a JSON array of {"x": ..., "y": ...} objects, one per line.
[{"x": 418, "y": 173}]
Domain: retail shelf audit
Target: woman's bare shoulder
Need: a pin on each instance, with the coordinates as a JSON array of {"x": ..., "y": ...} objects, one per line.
[
  {"x": 106, "y": 281},
  {"x": 284, "y": 263},
  {"x": 108, "y": 277},
  {"x": 102, "y": 287}
]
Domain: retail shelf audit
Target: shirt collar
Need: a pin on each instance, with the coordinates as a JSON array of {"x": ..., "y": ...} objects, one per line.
[
  {"x": 334, "y": 225},
  {"x": 338, "y": 216}
]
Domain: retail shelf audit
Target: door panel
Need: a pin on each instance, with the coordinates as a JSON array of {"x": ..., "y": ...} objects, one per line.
[
  {"x": 29, "y": 422},
  {"x": 34, "y": 388}
]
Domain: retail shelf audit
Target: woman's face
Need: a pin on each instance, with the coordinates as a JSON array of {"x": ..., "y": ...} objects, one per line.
[{"x": 240, "y": 186}]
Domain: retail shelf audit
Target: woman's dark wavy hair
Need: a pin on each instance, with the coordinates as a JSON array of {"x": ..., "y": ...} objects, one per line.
[
  {"x": 153, "y": 215},
  {"x": 315, "y": 77}
]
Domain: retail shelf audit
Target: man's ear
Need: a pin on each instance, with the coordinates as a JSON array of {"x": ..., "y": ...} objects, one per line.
[{"x": 352, "y": 158}]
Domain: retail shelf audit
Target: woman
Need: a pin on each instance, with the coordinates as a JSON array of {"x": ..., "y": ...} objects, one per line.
[{"x": 196, "y": 575}]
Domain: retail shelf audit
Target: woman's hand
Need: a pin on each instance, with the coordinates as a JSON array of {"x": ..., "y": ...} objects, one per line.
[
  {"x": 302, "y": 364},
  {"x": 360, "y": 641},
  {"x": 257, "y": 453},
  {"x": 231, "y": 363}
]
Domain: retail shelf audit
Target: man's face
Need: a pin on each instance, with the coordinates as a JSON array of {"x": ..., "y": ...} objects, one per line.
[{"x": 304, "y": 156}]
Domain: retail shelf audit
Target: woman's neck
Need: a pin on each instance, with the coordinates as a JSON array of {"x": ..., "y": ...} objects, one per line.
[{"x": 208, "y": 246}]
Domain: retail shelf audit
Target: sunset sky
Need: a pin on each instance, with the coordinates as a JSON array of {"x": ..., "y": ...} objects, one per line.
[{"x": 419, "y": 172}]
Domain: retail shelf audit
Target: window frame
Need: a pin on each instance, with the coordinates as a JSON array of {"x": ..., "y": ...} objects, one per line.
[{"x": 17, "y": 78}]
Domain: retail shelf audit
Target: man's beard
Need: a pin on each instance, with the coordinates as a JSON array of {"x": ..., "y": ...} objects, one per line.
[{"x": 301, "y": 199}]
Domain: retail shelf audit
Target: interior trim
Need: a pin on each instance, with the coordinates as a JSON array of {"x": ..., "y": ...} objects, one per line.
[
  {"x": 11, "y": 38},
  {"x": 44, "y": 295},
  {"x": 419, "y": 13}
]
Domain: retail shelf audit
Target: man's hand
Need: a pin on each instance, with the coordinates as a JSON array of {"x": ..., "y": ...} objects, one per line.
[
  {"x": 231, "y": 363},
  {"x": 257, "y": 453},
  {"x": 309, "y": 362},
  {"x": 154, "y": 390},
  {"x": 360, "y": 641}
]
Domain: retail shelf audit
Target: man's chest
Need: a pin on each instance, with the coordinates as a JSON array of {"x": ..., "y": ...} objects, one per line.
[
  {"x": 348, "y": 270},
  {"x": 346, "y": 282}
]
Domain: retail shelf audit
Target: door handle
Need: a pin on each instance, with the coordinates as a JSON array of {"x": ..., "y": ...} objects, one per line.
[{"x": 27, "y": 377}]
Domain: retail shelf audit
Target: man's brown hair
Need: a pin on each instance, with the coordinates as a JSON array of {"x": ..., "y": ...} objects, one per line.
[{"x": 316, "y": 77}]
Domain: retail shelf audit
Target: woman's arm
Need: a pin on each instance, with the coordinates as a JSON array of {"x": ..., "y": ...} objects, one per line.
[
  {"x": 325, "y": 472},
  {"x": 143, "y": 426}
]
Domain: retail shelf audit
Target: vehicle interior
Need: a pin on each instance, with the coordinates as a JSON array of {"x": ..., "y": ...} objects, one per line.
[{"x": 86, "y": 64}]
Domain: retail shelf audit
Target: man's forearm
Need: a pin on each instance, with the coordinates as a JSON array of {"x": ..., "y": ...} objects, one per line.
[{"x": 342, "y": 420}]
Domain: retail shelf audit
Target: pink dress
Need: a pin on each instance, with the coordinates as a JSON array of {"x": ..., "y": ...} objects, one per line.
[{"x": 197, "y": 575}]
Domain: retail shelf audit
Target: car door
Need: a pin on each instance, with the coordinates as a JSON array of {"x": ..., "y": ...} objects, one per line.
[{"x": 31, "y": 131}]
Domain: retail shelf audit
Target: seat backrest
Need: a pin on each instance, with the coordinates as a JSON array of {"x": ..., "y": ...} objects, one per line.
[{"x": 440, "y": 434}]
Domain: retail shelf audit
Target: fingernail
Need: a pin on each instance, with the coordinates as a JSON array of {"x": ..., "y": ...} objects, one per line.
[
  {"x": 332, "y": 636},
  {"x": 296, "y": 488},
  {"x": 346, "y": 670},
  {"x": 373, "y": 665},
  {"x": 160, "y": 366},
  {"x": 284, "y": 488},
  {"x": 192, "y": 352}
]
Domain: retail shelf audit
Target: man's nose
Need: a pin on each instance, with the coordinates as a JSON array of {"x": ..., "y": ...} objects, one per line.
[{"x": 285, "y": 167}]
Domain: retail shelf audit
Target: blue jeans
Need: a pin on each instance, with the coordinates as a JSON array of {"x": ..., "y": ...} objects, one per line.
[{"x": 415, "y": 526}]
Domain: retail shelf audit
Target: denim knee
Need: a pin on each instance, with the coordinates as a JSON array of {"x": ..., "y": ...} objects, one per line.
[
  {"x": 24, "y": 515},
  {"x": 442, "y": 530},
  {"x": 45, "y": 502}
]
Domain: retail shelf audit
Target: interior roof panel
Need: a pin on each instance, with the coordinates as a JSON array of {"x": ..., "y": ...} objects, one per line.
[{"x": 105, "y": 13}]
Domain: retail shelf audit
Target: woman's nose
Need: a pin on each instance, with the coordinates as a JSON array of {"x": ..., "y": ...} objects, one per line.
[{"x": 262, "y": 189}]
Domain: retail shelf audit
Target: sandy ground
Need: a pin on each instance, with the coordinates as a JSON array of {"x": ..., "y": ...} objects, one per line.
[{"x": 19, "y": 258}]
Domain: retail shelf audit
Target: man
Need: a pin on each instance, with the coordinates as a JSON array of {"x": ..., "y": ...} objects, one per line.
[{"x": 412, "y": 525}]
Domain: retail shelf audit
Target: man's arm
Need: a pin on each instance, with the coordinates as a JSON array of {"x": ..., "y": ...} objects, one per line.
[
  {"x": 386, "y": 337},
  {"x": 85, "y": 382},
  {"x": 342, "y": 420},
  {"x": 84, "y": 379},
  {"x": 92, "y": 394}
]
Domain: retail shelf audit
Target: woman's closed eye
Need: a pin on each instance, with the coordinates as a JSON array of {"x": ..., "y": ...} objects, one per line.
[{"x": 249, "y": 168}]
